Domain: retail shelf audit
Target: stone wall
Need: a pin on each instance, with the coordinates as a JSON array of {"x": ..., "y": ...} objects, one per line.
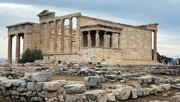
[{"x": 135, "y": 43}]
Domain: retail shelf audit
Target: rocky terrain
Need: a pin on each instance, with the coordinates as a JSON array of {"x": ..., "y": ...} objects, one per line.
[{"x": 89, "y": 83}]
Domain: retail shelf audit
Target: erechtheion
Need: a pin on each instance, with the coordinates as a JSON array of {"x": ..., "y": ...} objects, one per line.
[{"x": 76, "y": 37}]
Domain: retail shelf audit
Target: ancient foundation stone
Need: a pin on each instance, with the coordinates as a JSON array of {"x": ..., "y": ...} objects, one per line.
[
  {"x": 75, "y": 88},
  {"x": 96, "y": 95},
  {"x": 41, "y": 76}
]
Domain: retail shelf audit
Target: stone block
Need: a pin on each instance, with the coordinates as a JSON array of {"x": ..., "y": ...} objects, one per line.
[
  {"x": 96, "y": 95},
  {"x": 111, "y": 97},
  {"x": 41, "y": 76},
  {"x": 122, "y": 93},
  {"x": 31, "y": 86},
  {"x": 51, "y": 86},
  {"x": 75, "y": 98},
  {"x": 75, "y": 88},
  {"x": 93, "y": 81},
  {"x": 39, "y": 86},
  {"x": 50, "y": 94},
  {"x": 134, "y": 93},
  {"x": 166, "y": 86}
]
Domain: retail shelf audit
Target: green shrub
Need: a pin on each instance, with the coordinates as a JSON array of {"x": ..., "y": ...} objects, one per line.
[{"x": 31, "y": 56}]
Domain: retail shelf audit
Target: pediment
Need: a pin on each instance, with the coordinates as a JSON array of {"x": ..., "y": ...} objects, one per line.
[{"x": 44, "y": 12}]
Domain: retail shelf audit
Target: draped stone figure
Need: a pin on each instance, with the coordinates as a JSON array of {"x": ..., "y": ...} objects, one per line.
[
  {"x": 89, "y": 40},
  {"x": 108, "y": 40},
  {"x": 97, "y": 39},
  {"x": 115, "y": 40},
  {"x": 105, "y": 40}
]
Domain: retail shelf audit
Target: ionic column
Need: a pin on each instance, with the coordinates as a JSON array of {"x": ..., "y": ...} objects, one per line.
[
  {"x": 17, "y": 48},
  {"x": 97, "y": 38},
  {"x": 56, "y": 36},
  {"x": 155, "y": 45},
  {"x": 48, "y": 38},
  {"x": 70, "y": 34},
  {"x": 89, "y": 39},
  {"x": 10, "y": 49},
  {"x": 25, "y": 41},
  {"x": 62, "y": 35}
]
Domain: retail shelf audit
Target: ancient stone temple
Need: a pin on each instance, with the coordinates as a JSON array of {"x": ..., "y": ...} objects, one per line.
[{"x": 76, "y": 37}]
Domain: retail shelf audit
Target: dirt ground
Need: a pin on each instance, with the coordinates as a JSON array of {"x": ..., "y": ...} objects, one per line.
[{"x": 158, "y": 96}]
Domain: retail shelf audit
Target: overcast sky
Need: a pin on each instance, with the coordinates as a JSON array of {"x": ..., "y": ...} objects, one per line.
[{"x": 133, "y": 12}]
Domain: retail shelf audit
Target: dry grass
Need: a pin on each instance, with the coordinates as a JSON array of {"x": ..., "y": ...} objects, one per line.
[{"x": 67, "y": 77}]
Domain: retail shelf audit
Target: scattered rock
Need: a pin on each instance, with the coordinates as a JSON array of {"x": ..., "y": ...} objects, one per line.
[
  {"x": 111, "y": 97},
  {"x": 93, "y": 81},
  {"x": 75, "y": 98},
  {"x": 122, "y": 93},
  {"x": 41, "y": 76},
  {"x": 51, "y": 86},
  {"x": 96, "y": 95},
  {"x": 75, "y": 88}
]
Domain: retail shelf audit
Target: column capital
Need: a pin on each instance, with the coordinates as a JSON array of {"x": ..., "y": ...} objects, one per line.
[
  {"x": 54, "y": 20},
  {"x": 105, "y": 32},
  {"x": 70, "y": 18},
  {"x": 155, "y": 31},
  {"x": 89, "y": 32},
  {"x": 10, "y": 36},
  {"x": 62, "y": 19},
  {"x": 97, "y": 31},
  {"x": 17, "y": 34}
]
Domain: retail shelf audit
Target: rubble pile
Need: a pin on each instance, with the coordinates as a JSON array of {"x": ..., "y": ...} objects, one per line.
[{"x": 37, "y": 85}]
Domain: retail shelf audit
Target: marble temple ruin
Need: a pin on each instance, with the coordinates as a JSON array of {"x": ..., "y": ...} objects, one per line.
[{"x": 76, "y": 37}]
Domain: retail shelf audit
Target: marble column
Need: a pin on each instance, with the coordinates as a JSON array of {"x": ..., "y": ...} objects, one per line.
[
  {"x": 48, "y": 38},
  {"x": 17, "y": 47},
  {"x": 10, "y": 49},
  {"x": 155, "y": 45},
  {"x": 25, "y": 42},
  {"x": 70, "y": 34},
  {"x": 56, "y": 36},
  {"x": 97, "y": 38},
  {"x": 89, "y": 39},
  {"x": 62, "y": 35}
]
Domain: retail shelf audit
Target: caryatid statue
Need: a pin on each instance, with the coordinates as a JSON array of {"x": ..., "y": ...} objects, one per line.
[
  {"x": 115, "y": 40},
  {"x": 97, "y": 38},
  {"x": 105, "y": 40},
  {"x": 89, "y": 39},
  {"x": 108, "y": 40}
]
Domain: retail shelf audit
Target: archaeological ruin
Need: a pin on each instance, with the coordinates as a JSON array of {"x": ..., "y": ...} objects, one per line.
[{"x": 76, "y": 37}]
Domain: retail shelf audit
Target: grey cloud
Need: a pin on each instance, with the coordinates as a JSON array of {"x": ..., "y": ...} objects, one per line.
[{"x": 165, "y": 12}]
